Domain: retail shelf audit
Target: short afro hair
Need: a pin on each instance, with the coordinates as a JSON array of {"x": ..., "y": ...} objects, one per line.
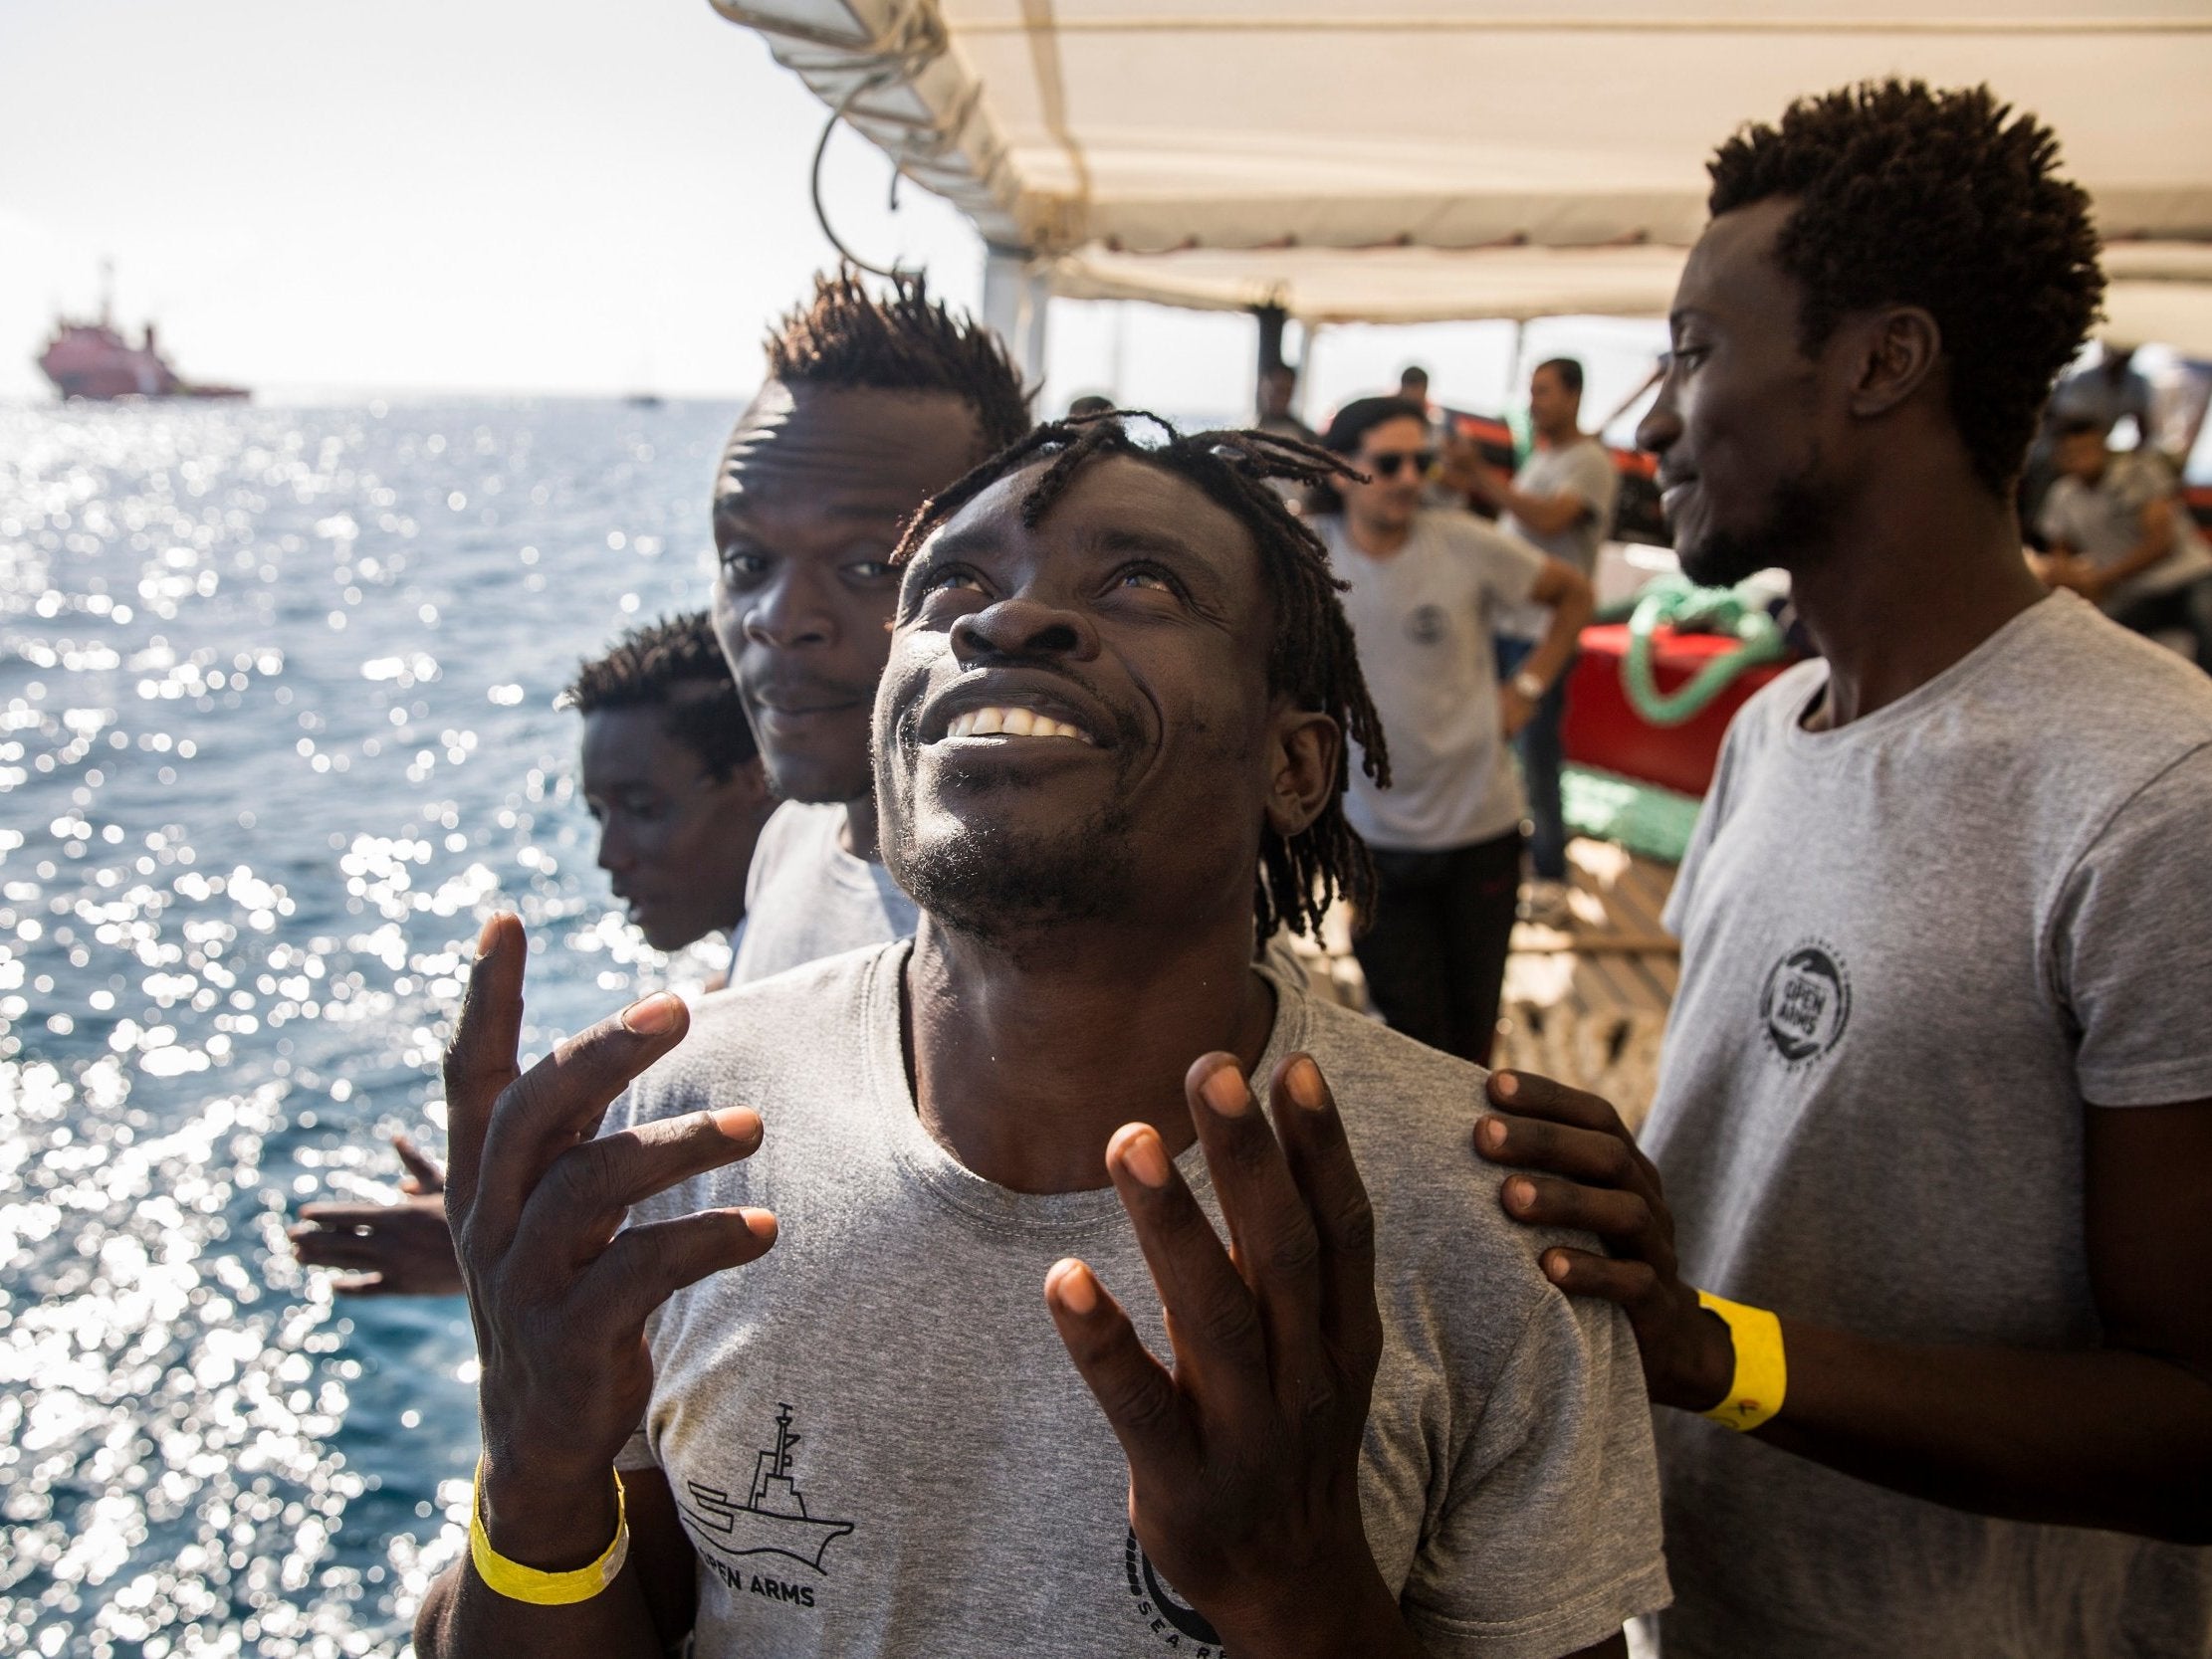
[
  {"x": 674, "y": 663},
  {"x": 905, "y": 341},
  {"x": 1313, "y": 658},
  {"x": 1939, "y": 199}
]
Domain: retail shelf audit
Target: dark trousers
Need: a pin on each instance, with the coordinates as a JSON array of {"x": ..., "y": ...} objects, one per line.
[
  {"x": 2181, "y": 607},
  {"x": 1542, "y": 753},
  {"x": 1434, "y": 949}
]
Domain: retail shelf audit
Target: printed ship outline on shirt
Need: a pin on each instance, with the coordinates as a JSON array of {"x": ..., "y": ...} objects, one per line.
[{"x": 772, "y": 1520}]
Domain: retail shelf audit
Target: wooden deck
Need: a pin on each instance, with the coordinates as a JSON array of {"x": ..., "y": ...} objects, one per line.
[
  {"x": 1585, "y": 1004},
  {"x": 1588, "y": 1005}
]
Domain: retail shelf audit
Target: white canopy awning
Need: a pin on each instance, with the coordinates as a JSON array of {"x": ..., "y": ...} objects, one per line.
[{"x": 1434, "y": 159}]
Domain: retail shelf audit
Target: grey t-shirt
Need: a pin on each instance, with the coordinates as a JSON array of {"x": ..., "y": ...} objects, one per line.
[
  {"x": 806, "y": 897},
  {"x": 880, "y": 1447},
  {"x": 1912, "y": 949},
  {"x": 2102, "y": 521},
  {"x": 1583, "y": 470},
  {"x": 1425, "y": 619}
]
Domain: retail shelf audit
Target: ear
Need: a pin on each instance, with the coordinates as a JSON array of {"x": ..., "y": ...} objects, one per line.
[
  {"x": 1303, "y": 750},
  {"x": 751, "y": 779},
  {"x": 1895, "y": 350}
]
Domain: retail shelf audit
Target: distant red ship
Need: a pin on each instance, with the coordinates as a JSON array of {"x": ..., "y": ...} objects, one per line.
[{"x": 93, "y": 360}]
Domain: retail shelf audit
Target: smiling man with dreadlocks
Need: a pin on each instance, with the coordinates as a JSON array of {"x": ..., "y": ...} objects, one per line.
[{"x": 1110, "y": 751}]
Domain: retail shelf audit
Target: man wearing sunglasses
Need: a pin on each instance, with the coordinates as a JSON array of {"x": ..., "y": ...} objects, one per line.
[{"x": 1424, "y": 588}]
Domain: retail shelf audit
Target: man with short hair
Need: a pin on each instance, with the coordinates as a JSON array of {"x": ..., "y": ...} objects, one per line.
[
  {"x": 1109, "y": 759},
  {"x": 870, "y": 406},
  {"x": 671, "y": 777},
  {"x": 1919, "y": 1213},
  {"x": 1279, "y": 393},
  {"x": 1425, "y": 589},
  {"x": 1560, "y": 501},
  {"x": 2120, "y": 535}
]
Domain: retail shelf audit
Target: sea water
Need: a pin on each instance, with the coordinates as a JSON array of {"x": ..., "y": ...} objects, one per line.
[{"x": 277, "y": 732}]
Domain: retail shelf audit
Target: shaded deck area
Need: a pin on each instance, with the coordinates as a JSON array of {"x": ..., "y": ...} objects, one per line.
[{"x": 1586, "y": 1003}]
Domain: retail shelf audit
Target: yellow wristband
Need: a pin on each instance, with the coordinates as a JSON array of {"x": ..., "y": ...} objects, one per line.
[
  {"x": 1755, "y": 1393},
  {"x": 545, "y": 1589}
]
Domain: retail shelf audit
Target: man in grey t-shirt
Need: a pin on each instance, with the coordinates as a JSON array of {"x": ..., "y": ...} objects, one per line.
[
  {"x": 1933, "y": 1125},
  {"x": 1424, "y": 588},
  {"x": 1108, "y": 758},
  {"x": 1561, "y": 503}
]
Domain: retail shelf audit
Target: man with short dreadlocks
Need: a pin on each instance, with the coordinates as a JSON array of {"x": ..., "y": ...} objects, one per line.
[
  {"x": 871, "y": 403},
  {"x": 1003, "y": 1387}
]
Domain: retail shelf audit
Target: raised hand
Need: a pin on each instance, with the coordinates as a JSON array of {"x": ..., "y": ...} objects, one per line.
[
  {"x": 1243, "y": 1460},
  {"x": 401, "y": 1249},
  {"x": 1583, "y": 1170},
  {"x": 559, "y": 1291}
]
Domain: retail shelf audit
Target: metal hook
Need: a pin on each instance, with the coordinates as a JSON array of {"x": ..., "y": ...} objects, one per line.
[{"x": 866, "y": 84}]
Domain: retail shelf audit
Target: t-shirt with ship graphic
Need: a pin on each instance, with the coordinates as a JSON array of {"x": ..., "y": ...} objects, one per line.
[{"x": 878, "y": 1445}]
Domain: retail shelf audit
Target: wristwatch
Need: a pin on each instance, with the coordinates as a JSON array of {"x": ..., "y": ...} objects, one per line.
[{"x": 1528, "y": 688}]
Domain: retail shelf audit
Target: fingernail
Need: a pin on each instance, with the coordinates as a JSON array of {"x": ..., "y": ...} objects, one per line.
[
  {"x": 1144, "y": 1158},
  {"x": 1520, "y": 1194},
  {"x": 759, "y": 1223},
  {"x": 1493, "y": 1133},
  {"x": 487, "y": 936},
  {"x": 1071, "y": 1285},
  {"x": 1305, "y": 1083},
  {"x": 1506, "y": 1083},
  {"x": 1555, "y": 1269},
  {"x": 738, "y": 1123},
  {"x": 652, "y": 1016},
  {"x": 1225, "y": 1091}
]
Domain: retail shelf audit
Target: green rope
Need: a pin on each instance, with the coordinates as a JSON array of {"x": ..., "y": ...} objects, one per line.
[{"x": 1716, "y": 610}]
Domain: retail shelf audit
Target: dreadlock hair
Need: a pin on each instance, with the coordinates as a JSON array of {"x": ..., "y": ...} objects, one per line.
[
  {"x": 674, "y": 663},
  {"x": 1942, "y": 200},
  {"x": 1312, "y": 660},
  {"x": 906, "y": 341}
]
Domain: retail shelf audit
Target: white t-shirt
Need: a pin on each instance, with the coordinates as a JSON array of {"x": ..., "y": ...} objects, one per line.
[
  {"x": 1583, "y": 470},
  {"x": 806, "y": 897},
  {"x": 880, "y": 1448},
  {"x": 1426, "y": 619}
]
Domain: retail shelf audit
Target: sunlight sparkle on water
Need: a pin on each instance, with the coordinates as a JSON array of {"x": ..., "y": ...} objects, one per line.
[{"x": 276, "y": 734}]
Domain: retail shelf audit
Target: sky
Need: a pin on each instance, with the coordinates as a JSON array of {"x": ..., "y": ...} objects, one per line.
[{"x": 566, "y": 196}]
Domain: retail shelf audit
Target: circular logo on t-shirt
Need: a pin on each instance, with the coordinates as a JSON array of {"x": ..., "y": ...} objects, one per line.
[
  {"x": 1164, "y": 1613},
  {"x": 1428, "y": 625},
  {"x": 1806, "y": 1004}
]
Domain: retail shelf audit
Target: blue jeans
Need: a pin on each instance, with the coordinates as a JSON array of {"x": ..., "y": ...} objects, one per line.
[{"x": 1542, "y": 755}]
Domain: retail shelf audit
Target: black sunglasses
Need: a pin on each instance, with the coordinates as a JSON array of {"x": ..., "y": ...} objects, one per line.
[{"x": 1387, "y": 463}]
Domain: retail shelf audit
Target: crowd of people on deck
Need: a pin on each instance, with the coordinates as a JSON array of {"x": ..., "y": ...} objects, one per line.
[{"x": 1016, "y": 1256}]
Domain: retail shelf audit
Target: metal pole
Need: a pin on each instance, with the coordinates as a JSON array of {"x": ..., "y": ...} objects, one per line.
[{"x": 1015, "y": 300}]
